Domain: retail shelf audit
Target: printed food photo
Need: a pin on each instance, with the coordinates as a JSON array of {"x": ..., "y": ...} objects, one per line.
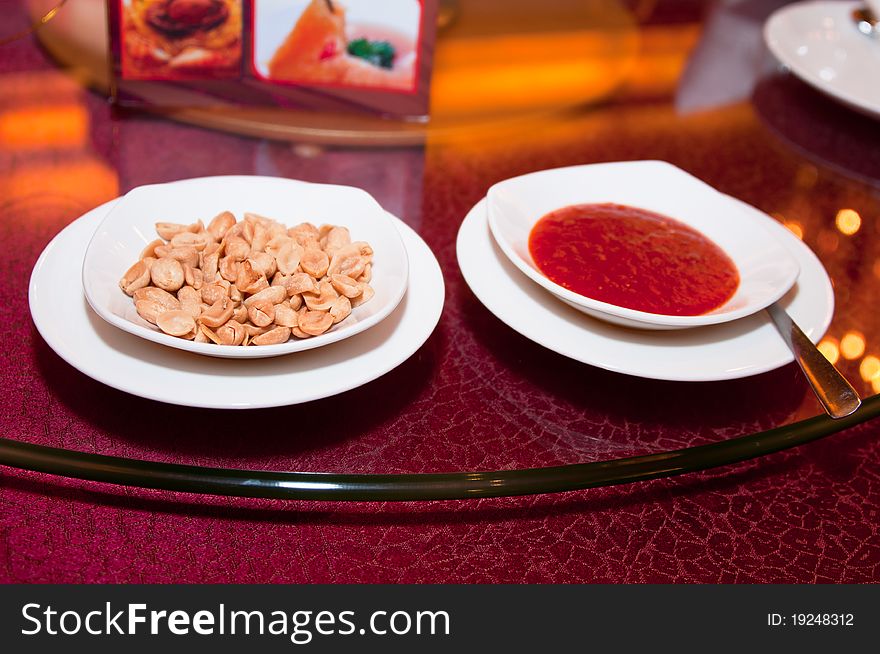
[
  {"x": 349, "y": 43},
  {"x": 181, "y": 39}
]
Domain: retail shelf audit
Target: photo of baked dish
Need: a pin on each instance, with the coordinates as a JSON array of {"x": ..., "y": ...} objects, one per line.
[
  {"x": 181, "y": 39},
  {"x": 349, "y": 43}
]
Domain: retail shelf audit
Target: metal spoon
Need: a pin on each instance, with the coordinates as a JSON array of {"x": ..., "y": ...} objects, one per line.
[
  {"x": 866, "y": 22},
  {"x": 837, "y": 397}
]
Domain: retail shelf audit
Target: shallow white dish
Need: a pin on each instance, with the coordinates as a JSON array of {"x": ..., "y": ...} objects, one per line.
[
  {"x": 727, "y": 351},
  {"x": 820, "y": 43},
  {"x": 767, "y": 270},
  {"x": 149, "y": 370},
  {"x": 130, "y": 225}
]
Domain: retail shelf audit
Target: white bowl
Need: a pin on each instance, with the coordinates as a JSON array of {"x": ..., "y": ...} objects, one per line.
[
  {"x": 131, "y": 225},
  {"x": 766, "y": 268}
]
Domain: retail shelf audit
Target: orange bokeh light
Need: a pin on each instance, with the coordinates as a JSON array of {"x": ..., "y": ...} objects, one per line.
[
  {"x": 852, "y": 345},
  {"x": 848, "y": 221},
  {"x": 829, "y": 348}
]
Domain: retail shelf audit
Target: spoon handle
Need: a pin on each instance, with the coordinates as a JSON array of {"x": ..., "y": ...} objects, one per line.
[{"x": 836, "y": 395}]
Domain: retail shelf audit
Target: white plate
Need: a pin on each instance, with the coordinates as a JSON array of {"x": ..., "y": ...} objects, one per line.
[
  {"x": 820, "y": 43},
  {"x": 130, "y": 225},
  {"x": 137, "y": 366},
  {"x": 727, "y": 351},
  {"x": 766, "y": 269}
]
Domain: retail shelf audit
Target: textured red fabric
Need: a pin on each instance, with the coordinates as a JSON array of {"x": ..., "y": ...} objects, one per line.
[{"x": 476, "y": 396}]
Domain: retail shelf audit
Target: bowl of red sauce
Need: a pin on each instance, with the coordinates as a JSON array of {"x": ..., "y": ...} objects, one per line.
[{"x": 642, "y": 244}]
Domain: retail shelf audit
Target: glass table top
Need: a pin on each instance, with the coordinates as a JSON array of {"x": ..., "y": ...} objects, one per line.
[{"x": 700, "y": 91}]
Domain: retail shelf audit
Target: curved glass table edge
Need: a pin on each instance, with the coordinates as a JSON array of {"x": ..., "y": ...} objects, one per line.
[{"x": 421, "y": 486}]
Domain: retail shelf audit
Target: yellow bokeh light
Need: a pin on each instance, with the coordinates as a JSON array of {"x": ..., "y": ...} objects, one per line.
[
  {"x": 852, "y": 345},
  {"x": 875, "y": 384},
  {"x": 795, "y": 228},
  {"x": 828, "y": 347},
  {"x": 869, "y": 369},
  {"x": 848, "y": 221}
]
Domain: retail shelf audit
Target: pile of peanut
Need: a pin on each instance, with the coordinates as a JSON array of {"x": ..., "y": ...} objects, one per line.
[{"x": 249, "y": 282}]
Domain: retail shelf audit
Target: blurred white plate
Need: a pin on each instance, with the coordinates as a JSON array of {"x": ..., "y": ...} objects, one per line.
[
  {"x": 766, "y": 269},
  {"x": 140, "y": 367},
  {"x": 727, "y": 351},
  {"x": 130, "y": 225},
  {"x": 820, "y": 43}
]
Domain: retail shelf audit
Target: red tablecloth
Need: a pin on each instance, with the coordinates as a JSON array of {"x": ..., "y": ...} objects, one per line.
[{"x": 477, "y": 396}]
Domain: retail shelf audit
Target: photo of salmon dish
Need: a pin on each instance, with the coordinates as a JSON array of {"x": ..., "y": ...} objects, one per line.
[
  {"x": 350, "y": 43},
  {"x": 181, "y": 39}
]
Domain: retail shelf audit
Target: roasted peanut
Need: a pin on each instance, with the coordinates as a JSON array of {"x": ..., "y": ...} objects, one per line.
[
  {"x": 219, "y": 313},
  {"x": 228, "y": 268},
  {"x": 192, "y": 276},
  {"x": 277, "y": 243},
  {"x": 169, "y": 230},
  {"x": 149, "y": 310},
  {"x": 340, "y": 309},
  {"x": 136, "y": 277},
  {"x": 252, "y": 330},
  {"x": 167, "y": 274},
  {"x": 250, "y": 280},
  {"x": 264, "y": 263},
  {"x": 188, "y": 239},
  {"x": 232, "y": 333},
  {"x": 261, "y": 313},
  {"x": 240, "y": 314},
  {"x": 285, "y": 316},
  {"x": 209, "y": 263},
  {"x": 220, "y": 224},
  {"x": 272, "y": 337},
  {"x": 315, "y": 262},
  {"x": 260, "y": 237},
  {"x": 323, "y": 299},
  {"x": 366, "y": 295},
  {"x": 211, "y": 284},
  {"x": 345, "y": 285},
  {"x": 237, "y": 248},
  {"x": 289, "y": 258},
  {"x": 315, "y": 322},
  {"x": 301, "y": 283},
  {"x": 336, "y": 238},
  {"x": 157, "y": 295},
  {"x": 272, "y": 294},
  {"x": 176, "y": 323},
  {"x": 150, "y": 249},
  {"x": 213, "y": 292},
  {"x": 190, "y": 301},
  {"x": 185, "y": 254},
  {"x": 304, "y": 230}
]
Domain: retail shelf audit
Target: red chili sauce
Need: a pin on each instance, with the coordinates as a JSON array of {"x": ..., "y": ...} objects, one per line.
[{"x": 633, "y": 258}]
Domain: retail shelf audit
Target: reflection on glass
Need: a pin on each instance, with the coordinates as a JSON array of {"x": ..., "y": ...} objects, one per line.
[
  {"x": 869, "y": 369},
  {"x": 795, "y": 228},
  {"x": 828, "y": 241},
  {"x": 848, "y": 221},
  {"x": 852, "y": 345},
  {"x": 828, "y": 347},
  {"x": 45, "y": 147}
]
